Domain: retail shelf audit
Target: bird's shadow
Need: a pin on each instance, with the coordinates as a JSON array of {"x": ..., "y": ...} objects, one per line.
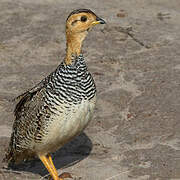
[{"x": 73, "y": 152}]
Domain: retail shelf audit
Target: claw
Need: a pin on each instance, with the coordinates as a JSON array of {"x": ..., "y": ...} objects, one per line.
[{"x": 65, "y": 175}]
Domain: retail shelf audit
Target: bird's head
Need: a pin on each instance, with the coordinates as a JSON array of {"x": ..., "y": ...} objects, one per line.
[
  {"x": 82, "y": 20},
  {"x": 78, "y": 23}
]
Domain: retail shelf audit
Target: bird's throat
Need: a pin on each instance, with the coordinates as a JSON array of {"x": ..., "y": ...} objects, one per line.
[{"x": 74, "y": 44}]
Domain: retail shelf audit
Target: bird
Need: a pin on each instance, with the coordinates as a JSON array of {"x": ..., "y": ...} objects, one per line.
[{"x": 58, "y": 108}]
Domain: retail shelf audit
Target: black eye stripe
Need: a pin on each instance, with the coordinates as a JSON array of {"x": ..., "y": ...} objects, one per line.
[
  {"x": 83, "y": 18},
  {"x": 74, "y": 22}
]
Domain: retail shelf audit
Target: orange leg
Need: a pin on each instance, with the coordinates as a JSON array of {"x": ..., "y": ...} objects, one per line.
[
  {"x": 47, "y": 161},
  {"x": 52, "y": 164}
]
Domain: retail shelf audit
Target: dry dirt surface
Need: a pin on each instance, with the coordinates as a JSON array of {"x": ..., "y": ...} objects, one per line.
[{"x": 135, "y": 60}]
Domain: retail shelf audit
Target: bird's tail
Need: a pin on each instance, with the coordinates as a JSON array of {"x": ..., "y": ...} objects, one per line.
[{"x": 8, "y": 157}]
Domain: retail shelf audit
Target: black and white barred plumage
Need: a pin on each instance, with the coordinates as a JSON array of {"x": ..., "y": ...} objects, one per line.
[
  {"x": 58, "y": 96},
  {"x": 70, "y": 83}
]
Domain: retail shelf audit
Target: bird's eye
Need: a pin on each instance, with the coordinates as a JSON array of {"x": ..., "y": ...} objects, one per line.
[{"x": 83, "y": 18}]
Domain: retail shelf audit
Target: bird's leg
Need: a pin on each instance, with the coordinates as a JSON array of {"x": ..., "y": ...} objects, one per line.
[
  {"x": 63, "y": 175},
  {"x": 52, "y": 170},
  {"x": 52, "y": 164}
]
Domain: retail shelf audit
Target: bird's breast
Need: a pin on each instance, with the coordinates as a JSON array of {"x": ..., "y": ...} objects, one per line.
[{"x": 67, "y": 122}]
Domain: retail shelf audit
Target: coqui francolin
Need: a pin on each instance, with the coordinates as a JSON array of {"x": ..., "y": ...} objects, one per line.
[{"x": 61, "y": 105}]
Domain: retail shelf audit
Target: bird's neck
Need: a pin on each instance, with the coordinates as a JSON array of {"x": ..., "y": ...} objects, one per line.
[{"x": 74, "y": 44}]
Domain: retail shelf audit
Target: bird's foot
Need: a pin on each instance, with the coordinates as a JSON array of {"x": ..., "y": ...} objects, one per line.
[{"x": 63, "y": 176}]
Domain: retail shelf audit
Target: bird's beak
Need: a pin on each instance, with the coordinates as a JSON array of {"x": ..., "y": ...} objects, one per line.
[{"x": 98, "y": 21}]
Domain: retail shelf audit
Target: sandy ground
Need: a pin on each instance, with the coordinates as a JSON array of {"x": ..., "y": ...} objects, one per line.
[{"x": 135, "y": 60}]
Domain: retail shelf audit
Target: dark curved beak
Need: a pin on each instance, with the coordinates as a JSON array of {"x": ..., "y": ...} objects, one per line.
[
  {"x": 98, "y": 21},
  {"x": 101, "y": 21}
]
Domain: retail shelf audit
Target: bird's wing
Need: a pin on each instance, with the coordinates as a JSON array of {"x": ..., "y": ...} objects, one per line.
[{"x": 27, "y": 96}]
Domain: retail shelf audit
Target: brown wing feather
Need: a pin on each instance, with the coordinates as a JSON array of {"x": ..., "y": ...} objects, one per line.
[
  {"x": 24, "y": 101},
  {"x": 27, "y": 96}
]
